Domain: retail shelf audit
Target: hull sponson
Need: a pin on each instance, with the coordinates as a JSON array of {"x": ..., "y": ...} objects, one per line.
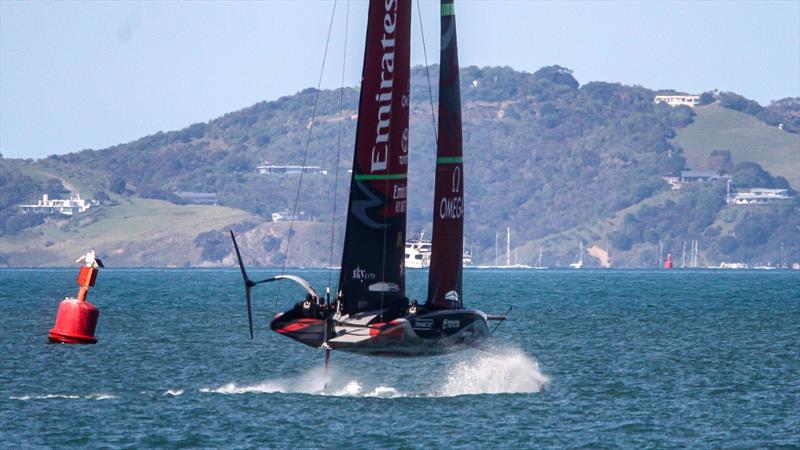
[{"x": 435, "y": 333}]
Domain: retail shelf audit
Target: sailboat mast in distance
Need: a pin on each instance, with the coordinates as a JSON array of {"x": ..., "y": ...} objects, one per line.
[
  {"x": 444, "y": 282},
  {"x": 373, "y": 272},
  {"x": 508, "y": 246},
  {"x": 496, "y": 251}
]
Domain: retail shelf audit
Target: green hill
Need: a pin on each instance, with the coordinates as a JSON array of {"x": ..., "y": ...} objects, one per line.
[
  {"x": 746, "y": 137},
  {"x": 554, "y": 160}
]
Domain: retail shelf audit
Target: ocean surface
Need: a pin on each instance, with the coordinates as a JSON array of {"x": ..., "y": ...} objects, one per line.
[{"x": 703, "y": 359}]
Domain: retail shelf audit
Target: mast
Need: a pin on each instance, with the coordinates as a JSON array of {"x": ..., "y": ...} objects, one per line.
[
  {"x": 508, "y": 246},
  {"x": 444, "y": 279},
  {"x": 373, "y": 272},
  {"x": 496, "y": 254},
  {"x": 660, "y": 254},
  {"x": 683, "y": 256}
]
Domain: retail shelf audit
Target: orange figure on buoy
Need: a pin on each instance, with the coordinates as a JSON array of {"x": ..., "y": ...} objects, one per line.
[
  {"x": 668, "y": 262},
  {"x": 77, "y": 318}
]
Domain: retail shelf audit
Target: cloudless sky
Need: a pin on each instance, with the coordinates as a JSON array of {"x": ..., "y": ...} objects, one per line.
[{"x": 77, "y": 75}]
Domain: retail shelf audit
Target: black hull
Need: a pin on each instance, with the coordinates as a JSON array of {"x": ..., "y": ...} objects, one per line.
[{"x": 432, "y": 333}]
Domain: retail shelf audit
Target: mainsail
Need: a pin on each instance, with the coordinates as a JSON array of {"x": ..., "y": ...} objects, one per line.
[
  {"x": 372, "y": 274},
  {"x": 444, "y": 282}
]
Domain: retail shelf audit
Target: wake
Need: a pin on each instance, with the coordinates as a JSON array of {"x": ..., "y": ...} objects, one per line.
[
  {"x": 505, "y": 371},
  {"x": 314, "y": 381}
]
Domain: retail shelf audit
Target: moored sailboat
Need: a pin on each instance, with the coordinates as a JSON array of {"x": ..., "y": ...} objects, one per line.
[
  {"x": 370, "y": 312},
  {"x": 579, "y": 263}
]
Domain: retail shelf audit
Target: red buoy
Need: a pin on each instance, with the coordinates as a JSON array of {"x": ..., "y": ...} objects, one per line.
[
  {"x": 75, "y": 323},
  {"x": 77, "y": 318},
  {"x": 668, "y": 262}
]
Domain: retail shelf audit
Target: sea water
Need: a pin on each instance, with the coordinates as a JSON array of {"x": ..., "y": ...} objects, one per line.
[{"x": 587, "y": 359}]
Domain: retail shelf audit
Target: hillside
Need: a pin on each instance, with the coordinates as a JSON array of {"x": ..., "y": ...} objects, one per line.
[
  {"x": 554, "y": 160},
  {"x": 746, "y": 137}
]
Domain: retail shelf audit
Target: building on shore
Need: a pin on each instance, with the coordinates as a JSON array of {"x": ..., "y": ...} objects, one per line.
[
  {"x": 758, "y": 196},
  {"x": 285, "y": 216},
  {"x": 702, "y": 176},
  {"x": 272, "y": 169},
  {"x": 73, "y": 205},
  {"x": 674, "y": 182},
  {"x": 678, "y": 100}
]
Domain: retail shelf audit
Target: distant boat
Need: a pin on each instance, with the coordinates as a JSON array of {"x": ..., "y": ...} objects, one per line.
[
  {"x": 418, "y": 253},
  {"x": 733, "y": 265},
  {"x": 508, "y": 264},
  {"x": 508, "y": 254},
  {"x": 579, "y": 263},
  {"x": 466, "y": 258}
]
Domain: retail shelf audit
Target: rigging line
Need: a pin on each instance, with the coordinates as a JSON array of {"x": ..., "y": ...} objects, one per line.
[
  {"x": 428, "y": 73},
  {"x": 338, "y": 147},
  {"x": 305, "y": 154}
]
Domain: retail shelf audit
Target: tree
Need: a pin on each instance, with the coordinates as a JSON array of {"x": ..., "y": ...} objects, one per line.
[
  {"x": 720, "y": 160},
  {"x": 620, "y": 240},
  {"x": 556, "y": 75},
  {"x": 750, "y": 232},
  {"x": 101, "y": 196},
  {"x": 706, "y": 98},
  {"x": 737, "y": 102},
  {"x": 53, "y": 188},
  {"x": 117, "y": 186},
  {"x": 728, "y": 245},
  {"x": 19, "y": 222},
  {"x": 750, "y": 174}
]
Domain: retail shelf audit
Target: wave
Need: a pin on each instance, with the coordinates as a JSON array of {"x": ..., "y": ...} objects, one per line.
[
  {"x": 504, "y": 371},
  {"x": 92, "y": 396},
  {"x": 174, "y": 392},
  {"x": 314, "y": 382}
]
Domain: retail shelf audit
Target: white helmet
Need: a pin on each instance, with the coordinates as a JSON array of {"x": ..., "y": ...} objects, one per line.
[{"x": 451, "y": 296}]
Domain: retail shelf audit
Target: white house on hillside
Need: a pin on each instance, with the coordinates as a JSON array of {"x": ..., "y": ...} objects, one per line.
[
  {"x": 758, "y": 196},
  {"x": 270, "y": 169},
  {"x": 75, "y": 205},
  {"x": 678, "y": 100}
]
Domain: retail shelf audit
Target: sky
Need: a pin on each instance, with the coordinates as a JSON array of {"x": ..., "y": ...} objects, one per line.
[{"x": 77, "y": 75}]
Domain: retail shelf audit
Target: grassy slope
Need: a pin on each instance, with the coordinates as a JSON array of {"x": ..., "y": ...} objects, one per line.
[
  {"x": 130, "y": 233},
  {"x": 747, "y": 138}
]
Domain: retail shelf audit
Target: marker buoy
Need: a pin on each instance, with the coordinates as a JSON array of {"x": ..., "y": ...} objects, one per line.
[
  {"x": 77, "y": 318},
  {"x": 668, "y": 262}
]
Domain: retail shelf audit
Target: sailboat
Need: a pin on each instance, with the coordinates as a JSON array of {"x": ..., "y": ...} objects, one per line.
[
  {"x": 370, "y": 313},
  {"x": 579, "y": 263},
  {"x": 516, "y": 265},
  {"x": 418, "y": 253},
  {"x": 539, "y": 265}
]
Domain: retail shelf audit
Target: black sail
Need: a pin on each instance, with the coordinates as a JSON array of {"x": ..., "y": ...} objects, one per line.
[
  {"x": 444, "y": 280},
  {"x": 373, "y": 273}
]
